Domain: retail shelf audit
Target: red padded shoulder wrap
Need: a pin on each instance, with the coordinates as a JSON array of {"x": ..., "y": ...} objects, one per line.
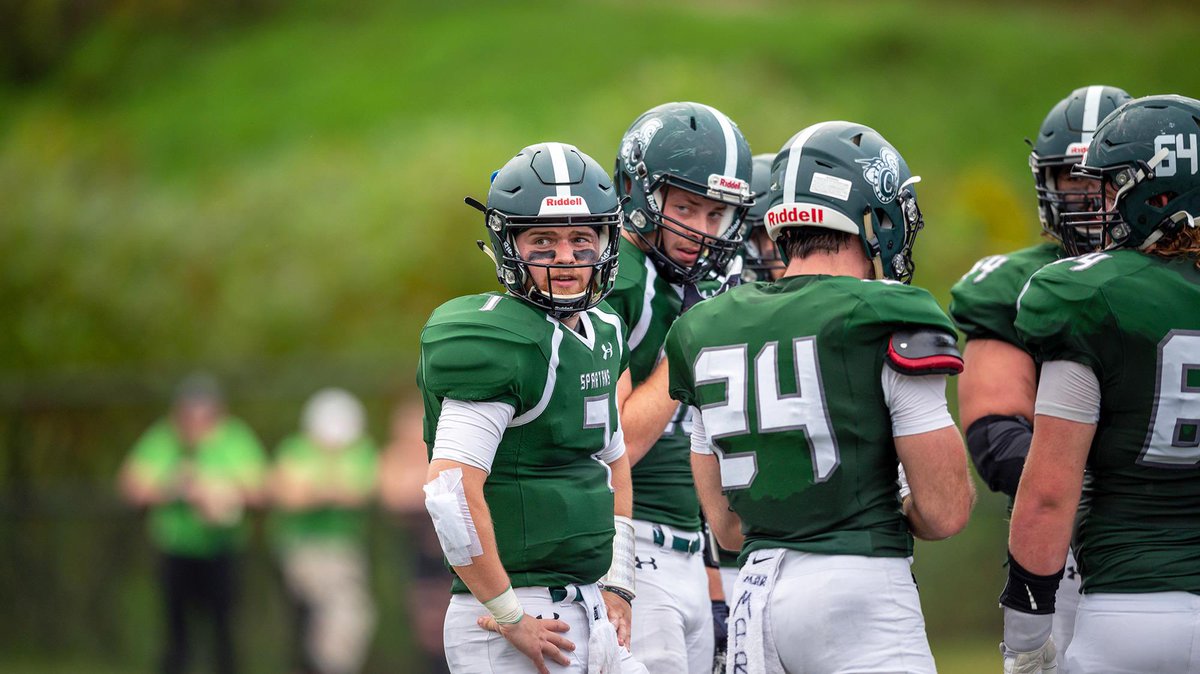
[{"x": 924, "y": 352}]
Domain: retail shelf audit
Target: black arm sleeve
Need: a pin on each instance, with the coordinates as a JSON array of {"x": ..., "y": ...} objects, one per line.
[{"x": 998, "y": 446}]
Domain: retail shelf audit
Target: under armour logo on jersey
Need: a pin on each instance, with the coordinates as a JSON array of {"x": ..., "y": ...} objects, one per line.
[
  {"x": 607, "y": 349},
  {"x": 1072, "y": 572},
  {"x": 638, "y": 561},
  {"x": 539, "y": 616}
]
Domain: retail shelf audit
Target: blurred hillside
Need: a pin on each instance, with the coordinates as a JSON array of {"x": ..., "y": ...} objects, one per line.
[{"x": 274, "y": 190}]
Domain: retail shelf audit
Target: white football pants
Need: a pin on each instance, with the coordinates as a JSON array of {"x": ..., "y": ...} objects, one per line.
[
  {"x": 1135, "y": 634},
  {"x": 672, "y": 615},
  {"x": 843, "y": 613},
  {"x": 1066, "y": 602}
]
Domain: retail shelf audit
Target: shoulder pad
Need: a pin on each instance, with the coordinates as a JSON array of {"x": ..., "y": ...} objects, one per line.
[{"x": 924, "y": 351}]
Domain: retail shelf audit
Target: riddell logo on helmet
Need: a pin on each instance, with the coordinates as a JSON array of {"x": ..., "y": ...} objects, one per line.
[
  {"x": 567, "y": 205},
  {"x": 561, "y": 202},
  {"x": 796, "y": 215},
  {"x": 1077, "y": 148}
]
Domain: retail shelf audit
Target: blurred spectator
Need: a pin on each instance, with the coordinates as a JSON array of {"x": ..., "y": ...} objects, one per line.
[
  {"x": 322, "y": 482},
  {"x": 196, "y": 471},
  {"x": 405, "y": 462}
]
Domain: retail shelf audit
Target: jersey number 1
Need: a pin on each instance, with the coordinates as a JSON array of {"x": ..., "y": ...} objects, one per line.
[{"x": 803, "y": 411}]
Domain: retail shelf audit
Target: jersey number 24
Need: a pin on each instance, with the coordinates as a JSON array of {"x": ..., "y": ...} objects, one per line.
[{"x": 802, "y": 411}]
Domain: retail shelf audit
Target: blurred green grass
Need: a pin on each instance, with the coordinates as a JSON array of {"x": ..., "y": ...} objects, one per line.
[
  {"x": 292, "y": 186},
  {"x": 288, "y": 189}
]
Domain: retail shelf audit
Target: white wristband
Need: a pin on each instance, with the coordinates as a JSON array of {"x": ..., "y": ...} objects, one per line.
[
  {"x": 621, "y": 574},
  {"x": 505, "y": 608}
]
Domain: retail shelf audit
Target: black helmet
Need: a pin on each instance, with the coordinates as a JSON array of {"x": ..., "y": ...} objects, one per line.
[{"x": 1061, "y": 142}]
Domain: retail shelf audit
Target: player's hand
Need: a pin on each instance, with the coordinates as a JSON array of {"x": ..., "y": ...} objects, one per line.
[
  {"x": 1038, "y": 661},
  {"x": 720, "y": 613},
  {"x": 620, "y": 614},
  {"x": 537, "y": 638}
]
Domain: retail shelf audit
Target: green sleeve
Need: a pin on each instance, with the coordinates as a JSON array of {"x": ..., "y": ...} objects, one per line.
[
  {"x": 627, "y": 300},
  {"x": 1058, "y": 314},
  {"x": 248, "y": 460},
  {"x": 155, "y": 454},
  {"x": 680, "y": 385},
  {"x": 901, "y": 306},
  {"x": 984, "y": 308},
  {"x": 465, "y": 361}
]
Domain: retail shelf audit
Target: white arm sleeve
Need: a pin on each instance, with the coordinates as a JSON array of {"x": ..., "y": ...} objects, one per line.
[
  {"x": 700, "y": 442},
  {"x": 470, "y": 432},
  {"x": 615, "y": 448},
  {"x": 1068, "y": 390},
  {"x": 917, "y": 403}
]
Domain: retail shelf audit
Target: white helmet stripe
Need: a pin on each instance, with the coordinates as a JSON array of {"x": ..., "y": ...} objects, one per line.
[
  {"x": 558, "y": 159},
  {"x": 793, "y": 162},
  {"x": 731, "y": 147},
  {"x": 1091, "y": 113}
]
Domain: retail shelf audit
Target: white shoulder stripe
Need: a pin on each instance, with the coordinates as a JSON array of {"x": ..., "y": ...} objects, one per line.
[
  {"x": 1091, "y": 113},
  {"x": 491, "y": 303},
  {"x": 638, "y": 332},
  {"x": 558, "y": 159},
  {"x": 731, "y": 148},
  {"x": 551, "y": 379}
]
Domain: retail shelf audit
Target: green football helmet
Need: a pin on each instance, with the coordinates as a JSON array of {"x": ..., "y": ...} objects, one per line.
[
  {"x": 758, "y": 264},
  {"x": 692, "y": 147},
  {"x": 846, "y": 177},
  {"x": 1061, "y": 142},
  {"x": 1145, "y": 157},
  {"x": 552, "y": 185}
]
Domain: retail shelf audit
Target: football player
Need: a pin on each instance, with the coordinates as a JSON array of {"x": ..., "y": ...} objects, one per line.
[
  {"x": 808, "y": 391},
  {"x": 996, "y": 392},
  {"x": 1118, "y": 335},
  {"x": 528, "y": 482},
  {"x": 761, "y": 261},
  {"x": 685, "y": 171}
]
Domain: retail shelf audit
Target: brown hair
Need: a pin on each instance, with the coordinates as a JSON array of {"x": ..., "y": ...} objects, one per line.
[
  {"x": 1185, "y": 243},
  {"x": 800, "y": 242}
]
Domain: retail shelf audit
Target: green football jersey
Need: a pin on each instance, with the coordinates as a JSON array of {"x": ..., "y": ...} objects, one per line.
[
  {"x": 787, "y": 376},
  {"x": 550, "y": 497},
  {"x": 984, "y": 301},
  {"x": 663, "y": 490},
  {"x": 1134, "y": 319}
]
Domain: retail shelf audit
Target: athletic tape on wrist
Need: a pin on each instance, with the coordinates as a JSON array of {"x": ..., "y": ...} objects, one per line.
[
  {"x": 447, "y": 505},
  {"x": 621, "y": 574},
  {"x": 505, "y": 607}
]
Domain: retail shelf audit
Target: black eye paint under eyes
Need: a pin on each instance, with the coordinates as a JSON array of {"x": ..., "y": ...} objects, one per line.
[
  {"x": 586, "y": 256},
  {"x": 544, "y": 256}
]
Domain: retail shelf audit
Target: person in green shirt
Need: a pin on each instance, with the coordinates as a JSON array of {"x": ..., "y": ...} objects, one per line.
[
  {"x": 196, "y": 472},
  {"x": 322, "y": 482}
]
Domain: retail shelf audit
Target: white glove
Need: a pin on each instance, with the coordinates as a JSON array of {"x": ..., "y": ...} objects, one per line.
[{"x": 1038, "y": 661}]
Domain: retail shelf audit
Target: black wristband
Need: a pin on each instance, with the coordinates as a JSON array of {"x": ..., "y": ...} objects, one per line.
[
  {"x": 620, "y": 593},
  {"x": 1028, "y": 592}
]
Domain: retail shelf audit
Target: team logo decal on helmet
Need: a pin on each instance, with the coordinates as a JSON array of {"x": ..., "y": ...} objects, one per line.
[
  {"x": 883, "y": 173},
  {"x": 631, "y": 146}
]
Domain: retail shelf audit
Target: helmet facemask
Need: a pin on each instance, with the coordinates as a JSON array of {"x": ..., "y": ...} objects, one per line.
[
  {"x": 761, "y": 259},
  {"x": 1055, "y": 200},
  {"x": 515, "y": 270},
  {"x": 715, "y": 250},
  {"x": 1117, "y": 187}
]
